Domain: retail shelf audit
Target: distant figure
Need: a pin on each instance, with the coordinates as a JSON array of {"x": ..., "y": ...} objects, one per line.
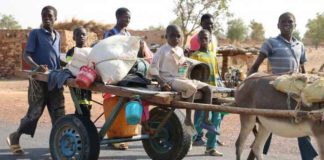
[
  {"x": 42, "y": 53},
  {"x": 84, "y": 96},
  {"x": 123, "y": 17},
  {"x": 286, "y": 55},
  {"x": 168, "y": 68},
  {"x": 208, "y": 57}
]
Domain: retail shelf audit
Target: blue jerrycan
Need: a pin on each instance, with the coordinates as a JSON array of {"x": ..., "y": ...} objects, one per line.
[{"x": 134, "y": 110}]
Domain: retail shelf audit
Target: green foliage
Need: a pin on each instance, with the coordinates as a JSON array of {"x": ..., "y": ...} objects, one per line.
[
  {"x": 8, "y": 22},
  {"x": 257, "y": 33},
  {"x": 189, "y": 12},
  {"x": 315, "y": 30},
  {"x": 296, "y": 34},
  {"x": 237, "y": 31}
]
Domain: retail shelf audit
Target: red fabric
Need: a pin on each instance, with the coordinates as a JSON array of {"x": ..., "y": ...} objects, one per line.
[
  {"x": 146, "y": 112},
  {"x": 194, "y": 43},
  {"x": 147, "y": 53},
  {"x": 106, "y": 96}
]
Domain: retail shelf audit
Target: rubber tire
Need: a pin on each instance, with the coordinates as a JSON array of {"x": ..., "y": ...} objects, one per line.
[
  {"x": 179, "y": 139},
  {"x": 82, "y": 127}
]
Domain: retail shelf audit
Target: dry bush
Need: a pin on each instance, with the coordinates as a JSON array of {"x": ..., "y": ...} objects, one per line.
[{"x": 91, "y": 26}]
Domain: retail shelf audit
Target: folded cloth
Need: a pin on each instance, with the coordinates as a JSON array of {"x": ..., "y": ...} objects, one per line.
[{"x": 57, "y": 78}]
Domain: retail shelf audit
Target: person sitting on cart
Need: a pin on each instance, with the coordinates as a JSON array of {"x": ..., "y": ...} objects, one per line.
[
  {"x": 167, "y": 69},
  {"x": 208, "y": 57},
  {"x": 42, "y": 53},
  {"x": 83, "y": 96}
]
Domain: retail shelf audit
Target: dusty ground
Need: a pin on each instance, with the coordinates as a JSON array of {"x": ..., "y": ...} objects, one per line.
[{"x": 13, "y": 106}]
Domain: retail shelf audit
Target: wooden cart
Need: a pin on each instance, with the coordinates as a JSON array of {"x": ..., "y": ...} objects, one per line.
[{"x": 75, "y": 136}]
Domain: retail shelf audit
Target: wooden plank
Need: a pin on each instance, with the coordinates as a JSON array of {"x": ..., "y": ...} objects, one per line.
[
  {"x": 29, "y": 74},
  {"x": 162, "y": 98},
  {"x": 169, "y": 99},
  {"x": 155, "y": 97}
]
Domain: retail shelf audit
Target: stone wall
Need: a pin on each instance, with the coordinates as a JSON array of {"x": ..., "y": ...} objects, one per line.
[{"x": 13, "y": 42}]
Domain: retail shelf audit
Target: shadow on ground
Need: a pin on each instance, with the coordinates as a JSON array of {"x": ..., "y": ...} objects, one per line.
[{"x": 30, "y": 153}]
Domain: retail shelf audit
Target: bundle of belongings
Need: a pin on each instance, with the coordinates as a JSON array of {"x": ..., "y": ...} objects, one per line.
[
  {"x": 114, "y": 60},
  {"x": 114, "y": 57},
  {"x": 307, "y": 87}
]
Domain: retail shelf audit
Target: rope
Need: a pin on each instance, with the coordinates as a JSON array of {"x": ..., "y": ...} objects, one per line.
[{"x": 34, "y": 88}]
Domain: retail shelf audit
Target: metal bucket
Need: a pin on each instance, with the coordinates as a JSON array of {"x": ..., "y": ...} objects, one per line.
[{"x": 198, "y": 70}]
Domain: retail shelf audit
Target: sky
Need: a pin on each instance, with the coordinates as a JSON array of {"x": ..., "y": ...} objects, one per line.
[{"x": 147, "y": 13}]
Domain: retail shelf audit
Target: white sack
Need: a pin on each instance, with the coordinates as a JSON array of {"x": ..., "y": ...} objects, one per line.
[
  {"x": 79, "y": 59},
  {"x": 114, "y": 57}
]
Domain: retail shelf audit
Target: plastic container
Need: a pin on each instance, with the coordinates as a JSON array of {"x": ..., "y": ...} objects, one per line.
[
  {"x": 120, "y": 127},
  {"x": 85, "y": 77},
  {"x": 134, "y": 110},
  {"x": 198, "y": 70}
]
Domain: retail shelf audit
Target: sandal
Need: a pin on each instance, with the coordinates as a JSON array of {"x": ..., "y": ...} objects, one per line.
[
  {"x": 15, "y": 148},
  {"x": 120, "y": 146},
  {"x": 220, "y": 143},
  {"x": 213, "y": 152}
]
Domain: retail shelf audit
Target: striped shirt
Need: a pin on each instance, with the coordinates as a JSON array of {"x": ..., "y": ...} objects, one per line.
[{"x": 284, "y": 56}]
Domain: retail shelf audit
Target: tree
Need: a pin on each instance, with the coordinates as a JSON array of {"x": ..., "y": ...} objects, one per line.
[
  {"x": 237, "y": 31},
  {"x": 188, "y": 14},
  {"x": 315, "y": 30},
  {"x": 296, "y": 34},
  {"x": 8, "y": 22},
  {"x": 257, "y": 33}
]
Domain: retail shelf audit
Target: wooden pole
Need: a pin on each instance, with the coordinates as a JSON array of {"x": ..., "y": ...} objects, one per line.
[
  {"x": 249, "y": 111},
  {"x": 224, "y": 66},
  {"x": 171, "y": 99}
]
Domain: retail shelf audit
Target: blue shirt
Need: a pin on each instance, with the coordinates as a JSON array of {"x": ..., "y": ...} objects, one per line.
[
  {"x": 284, "y": 56},
  {"x": 43, "y": 49},
  {"x": 114, "y": 31}
]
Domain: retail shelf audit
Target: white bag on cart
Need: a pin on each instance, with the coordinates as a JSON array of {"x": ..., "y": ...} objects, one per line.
[
  {"x": 114, "y": 57},
  {"x": 79, "y": 59}
]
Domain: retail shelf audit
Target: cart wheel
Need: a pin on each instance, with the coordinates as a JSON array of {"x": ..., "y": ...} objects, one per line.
[
  {"x": 171, "y": 142},
  {"x": 74, "y": 137}
]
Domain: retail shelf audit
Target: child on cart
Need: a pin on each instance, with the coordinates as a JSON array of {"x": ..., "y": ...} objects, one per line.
[
  {"x": 84, "y": 96},
  {"x": 167, "y": 69}
]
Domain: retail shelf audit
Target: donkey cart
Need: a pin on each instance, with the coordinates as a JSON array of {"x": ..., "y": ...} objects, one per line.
[{"x": 75, "y": 136}]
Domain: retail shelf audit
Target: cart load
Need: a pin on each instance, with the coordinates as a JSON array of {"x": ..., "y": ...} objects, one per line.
[{"x": 307, "y": 88}]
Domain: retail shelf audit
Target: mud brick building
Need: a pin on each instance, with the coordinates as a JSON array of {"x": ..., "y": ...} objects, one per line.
[{"x": 13, "y": 42}]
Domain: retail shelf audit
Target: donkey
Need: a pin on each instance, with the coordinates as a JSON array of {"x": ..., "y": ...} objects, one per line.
[{"x": 256, "y": 92}]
